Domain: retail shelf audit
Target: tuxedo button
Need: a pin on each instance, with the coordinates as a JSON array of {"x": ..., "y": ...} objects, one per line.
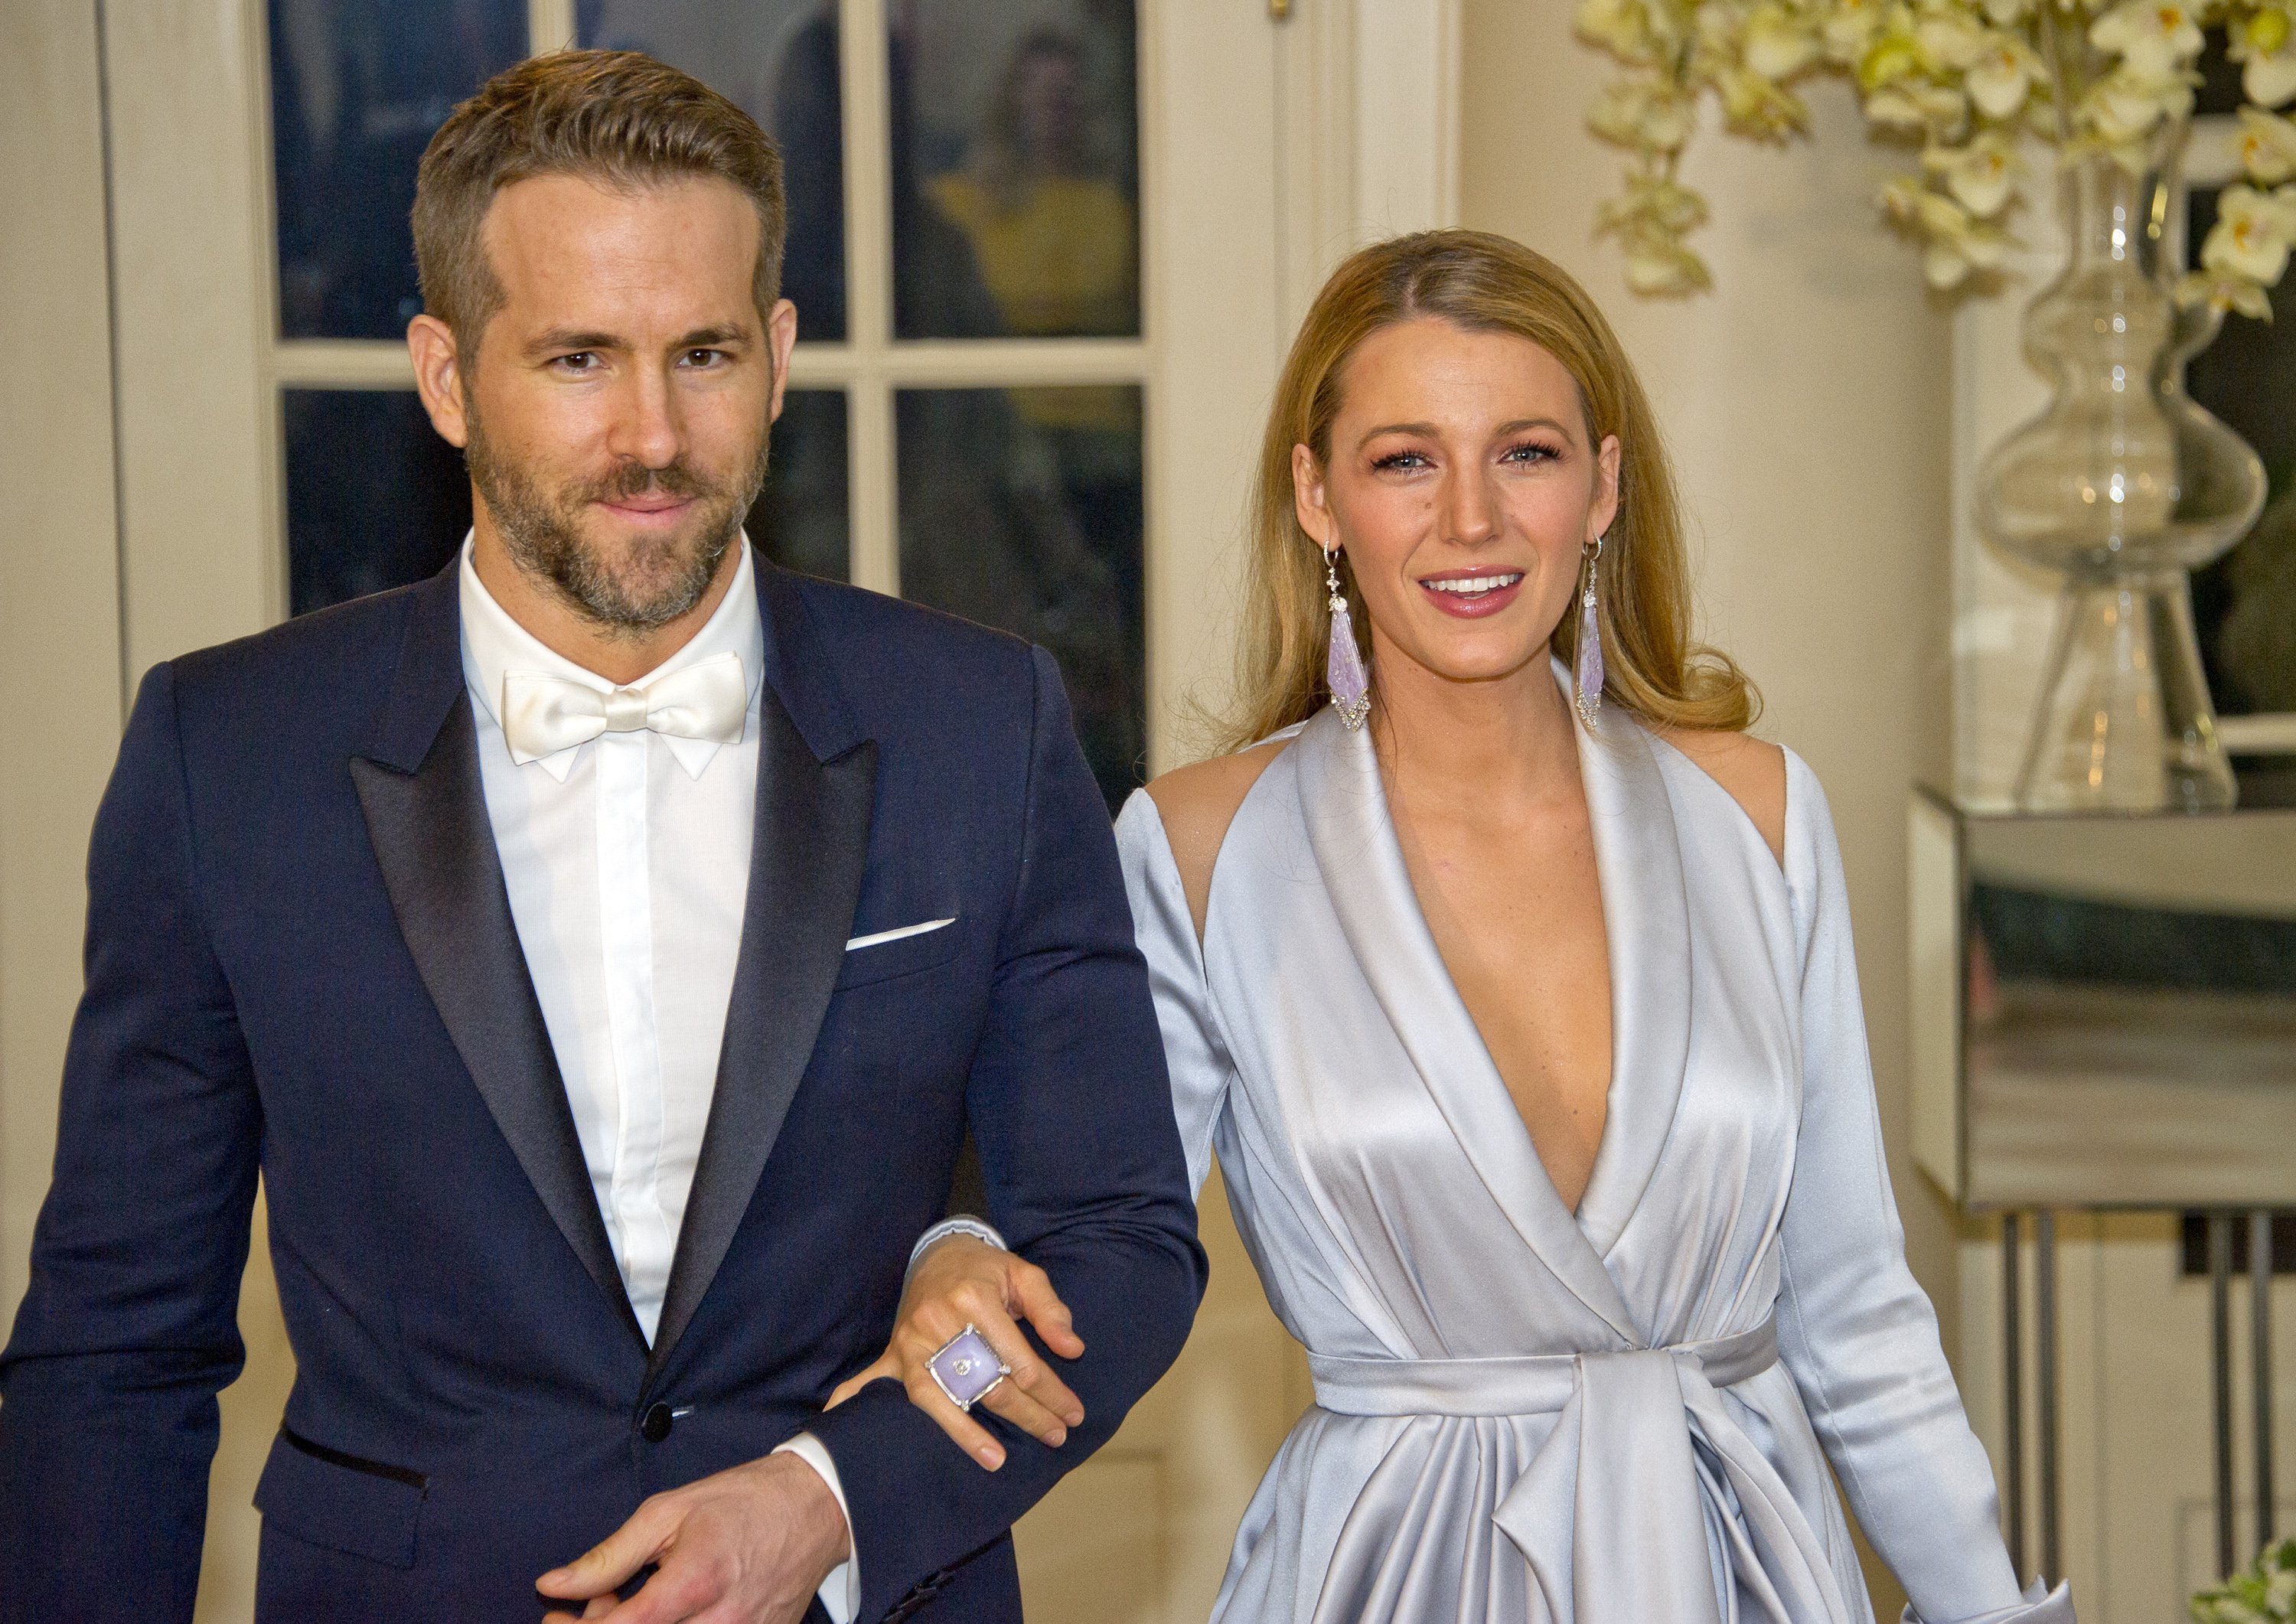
[{"x": 654, "y": 1425}]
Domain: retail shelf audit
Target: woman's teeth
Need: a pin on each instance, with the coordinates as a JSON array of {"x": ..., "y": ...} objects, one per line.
[{"x": 1475, "y": 583}]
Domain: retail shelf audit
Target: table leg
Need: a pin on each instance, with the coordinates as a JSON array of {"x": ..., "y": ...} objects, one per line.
[
  {"x": 2220, "y": 1363},
  {"x": 2260, "y": 1346},
  {"x": 2045, "y": 1348},
  {"x": 2012, "y": 1392}
]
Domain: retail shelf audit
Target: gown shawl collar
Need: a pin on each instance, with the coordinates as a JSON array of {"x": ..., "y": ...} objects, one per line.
[{"x": 1645, "y": 915}]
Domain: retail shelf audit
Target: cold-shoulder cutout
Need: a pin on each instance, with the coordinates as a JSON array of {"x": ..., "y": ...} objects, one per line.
[
  {"x": 1753, "y": 770},
  {"x": 1197, "y": 804}
]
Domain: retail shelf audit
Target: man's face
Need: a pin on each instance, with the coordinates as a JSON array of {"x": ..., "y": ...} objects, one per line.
[{"x": 616, "y": 415}]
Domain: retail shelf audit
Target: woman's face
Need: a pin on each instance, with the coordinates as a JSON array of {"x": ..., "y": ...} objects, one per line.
[{"x": 1464, "y": 487}]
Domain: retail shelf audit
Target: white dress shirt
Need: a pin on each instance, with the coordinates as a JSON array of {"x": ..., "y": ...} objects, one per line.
[{"x": 627, "y": 861}]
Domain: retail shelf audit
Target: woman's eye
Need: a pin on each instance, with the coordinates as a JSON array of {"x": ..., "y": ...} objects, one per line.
[
  {"x": 1529, "y": 451},
  {"x": 1406, "y": 460}
]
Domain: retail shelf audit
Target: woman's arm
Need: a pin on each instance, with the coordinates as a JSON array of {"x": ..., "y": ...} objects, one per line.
[
  {"x": 964, "y": 1280},
  {"x": 1854, "y": 1326}
]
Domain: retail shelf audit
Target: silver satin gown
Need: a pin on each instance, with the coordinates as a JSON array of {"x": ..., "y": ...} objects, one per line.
[{"x": 1525, "y": 1417}]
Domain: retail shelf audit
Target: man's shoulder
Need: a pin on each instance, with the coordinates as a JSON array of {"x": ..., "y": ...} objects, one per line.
[
  {"x": 886, "y": 645},
  {"x": 329, "y": 661}
]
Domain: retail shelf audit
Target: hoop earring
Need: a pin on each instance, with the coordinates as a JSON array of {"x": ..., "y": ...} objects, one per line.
[
  {"x": 1343, "y": 669},
  {"x": 1589, "y": 672}
]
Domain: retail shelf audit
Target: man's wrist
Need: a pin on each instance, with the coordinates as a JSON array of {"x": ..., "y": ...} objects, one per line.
[{"x": 826, "y": 1537}]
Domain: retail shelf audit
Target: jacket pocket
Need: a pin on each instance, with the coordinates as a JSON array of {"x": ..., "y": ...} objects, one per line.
[
  {"x": 882, "y": 961},
  {"x": 341, "y": 1501}
]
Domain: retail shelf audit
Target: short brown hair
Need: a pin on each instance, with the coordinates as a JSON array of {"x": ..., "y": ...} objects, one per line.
[
  {"x": 1483, "y": 283},
  {"x": 616, "y": 117}
]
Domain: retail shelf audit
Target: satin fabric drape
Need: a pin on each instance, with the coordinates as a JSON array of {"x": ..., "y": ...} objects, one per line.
[{"x": 1529, "y": 1415}]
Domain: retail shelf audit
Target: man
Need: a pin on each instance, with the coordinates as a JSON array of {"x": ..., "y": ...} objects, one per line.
[{"x": 601, "y": 950}]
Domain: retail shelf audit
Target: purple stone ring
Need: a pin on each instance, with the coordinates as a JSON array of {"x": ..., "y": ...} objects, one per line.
[{"x": 966, "y": 1367}]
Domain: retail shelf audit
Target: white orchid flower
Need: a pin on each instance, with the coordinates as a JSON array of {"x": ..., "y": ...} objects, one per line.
[
  {"x": 1850, "y": 25},
  {"x": 1981, "y": 176},
  {"x": 2268, "y": 148},
  {"x": 1654, "y": 203},
  {"x": 1777, "y": 44},
  {"x": 1623, "y": 26},
  {"x": 1665, "y": 269},
  {"x": 1642, "y": 113},
  {"x": 2003, "y": 75},
  {"x": 2251, "y": 237},
  {"x": 2126, "y": 105},
  {"x": 1759, "y": 107},
  {"x": 1951, "y": 39},
  {"x": 2152, "y": 37},
  {"x": 2267, "y": 76}
]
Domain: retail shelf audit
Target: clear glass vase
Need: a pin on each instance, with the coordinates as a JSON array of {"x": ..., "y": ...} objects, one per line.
[{"x": 2123, "y": 484}]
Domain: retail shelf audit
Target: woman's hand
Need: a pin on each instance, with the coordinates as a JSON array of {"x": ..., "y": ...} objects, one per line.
[{"x": 962, "y": 1281}]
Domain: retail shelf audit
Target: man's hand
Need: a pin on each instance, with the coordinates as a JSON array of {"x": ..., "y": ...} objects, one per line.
[
  {"x": 749, "y": 1545},
  {"x": 962, "y": 1281}
]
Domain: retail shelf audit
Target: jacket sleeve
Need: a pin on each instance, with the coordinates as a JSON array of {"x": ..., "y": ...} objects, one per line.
[
  {"x": 1069, "y": 1103},
  {"x": 108, "y": 1414},
  {"x": 1854, "y": 1326}
]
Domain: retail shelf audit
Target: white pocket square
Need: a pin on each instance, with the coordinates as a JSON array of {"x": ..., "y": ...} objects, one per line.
[{"x": 879, "y": 938}]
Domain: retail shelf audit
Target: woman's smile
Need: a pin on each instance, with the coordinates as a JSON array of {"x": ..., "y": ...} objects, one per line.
[{"x": 1471, "y": 595}]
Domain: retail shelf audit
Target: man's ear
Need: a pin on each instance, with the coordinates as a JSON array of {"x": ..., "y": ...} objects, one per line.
[
  {"x": 438, "y": 377},
  {"x": 781, "y": 339}
]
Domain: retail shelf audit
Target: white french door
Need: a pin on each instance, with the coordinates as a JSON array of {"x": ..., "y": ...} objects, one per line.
[{"x": 1065, "y": 454}]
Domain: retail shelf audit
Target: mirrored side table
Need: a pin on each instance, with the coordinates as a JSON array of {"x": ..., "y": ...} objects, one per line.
[{"x": 2104, "y": 1019}]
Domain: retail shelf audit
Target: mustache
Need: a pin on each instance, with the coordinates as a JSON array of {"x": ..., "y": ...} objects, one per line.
[{"x": 636, "y": 480}]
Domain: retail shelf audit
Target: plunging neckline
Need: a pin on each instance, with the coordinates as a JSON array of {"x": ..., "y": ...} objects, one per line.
[
  {"x": 1638, "y": 873},
  {"x": 1609, "y": 984}
]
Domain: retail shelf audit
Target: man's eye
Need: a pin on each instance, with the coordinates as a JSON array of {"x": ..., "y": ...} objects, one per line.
[
  {"x": 704, "y": 357},
  {"x": 580, "y": 361}
]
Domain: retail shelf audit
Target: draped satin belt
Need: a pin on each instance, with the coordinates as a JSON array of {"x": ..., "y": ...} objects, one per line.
[{"x": 1679, "y": 1516}]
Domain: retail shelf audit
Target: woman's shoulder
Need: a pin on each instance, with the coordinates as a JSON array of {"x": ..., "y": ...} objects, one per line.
[
  {"x": 1197, "y": 803},
  {"x": 1753, "y": 771}
]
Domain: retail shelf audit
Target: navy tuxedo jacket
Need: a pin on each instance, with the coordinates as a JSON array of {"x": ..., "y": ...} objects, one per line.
[{"x": 301, "y": 960}]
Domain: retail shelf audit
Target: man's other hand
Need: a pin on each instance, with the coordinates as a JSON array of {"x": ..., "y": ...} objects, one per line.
[{"x": 749, "y": 1545}]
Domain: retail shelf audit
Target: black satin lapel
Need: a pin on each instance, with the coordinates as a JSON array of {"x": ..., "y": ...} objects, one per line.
[
  {"x": 436, "y": 849},
  {"x": 806, "y": 861}
]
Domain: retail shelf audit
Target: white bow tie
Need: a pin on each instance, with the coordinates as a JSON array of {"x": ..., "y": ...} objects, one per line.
[{"x": 543, "y": 715}]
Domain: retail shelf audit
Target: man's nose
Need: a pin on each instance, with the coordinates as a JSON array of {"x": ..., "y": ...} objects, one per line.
[{"x": 646, "y": 426}]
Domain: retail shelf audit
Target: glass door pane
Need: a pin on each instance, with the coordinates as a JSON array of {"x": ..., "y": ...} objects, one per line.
[
  {"x": 1015, "y": 169},
  {"x": 803, "y": 518},
  {"x": 357, "y": 89},
  {"x": 1021, "y": 509},
  {"x": 777, "y": 61},
  {"x": 375, "y": 500}
]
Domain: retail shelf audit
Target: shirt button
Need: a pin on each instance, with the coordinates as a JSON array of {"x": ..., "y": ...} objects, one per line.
[{"x": 655, "y": 1424}]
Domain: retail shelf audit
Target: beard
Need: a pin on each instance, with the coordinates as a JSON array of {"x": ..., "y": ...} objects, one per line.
[{"x": 657, "y": 579}]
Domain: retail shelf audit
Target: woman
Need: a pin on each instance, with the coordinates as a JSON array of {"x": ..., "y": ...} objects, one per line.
[{"x": 1522, "y": 1016}]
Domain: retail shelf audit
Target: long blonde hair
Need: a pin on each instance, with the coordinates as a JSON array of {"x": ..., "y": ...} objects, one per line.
[{"x": 1484, "y": 283}]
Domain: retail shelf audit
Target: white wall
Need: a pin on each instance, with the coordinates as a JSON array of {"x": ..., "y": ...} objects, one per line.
[{"x": 59, "y": 578}]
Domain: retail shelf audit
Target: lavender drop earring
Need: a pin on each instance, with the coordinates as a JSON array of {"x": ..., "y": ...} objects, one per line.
[
  {"x": 1588, "y": 674},
  {"x": 1343, "y": 669}
]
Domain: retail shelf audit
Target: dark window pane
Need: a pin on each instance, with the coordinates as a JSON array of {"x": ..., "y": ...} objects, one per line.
[
  {"x": 800, "y": 519},
  {"x": 374, "y": 497},
  {"x": 1016, "y": 169},
  {"x": 357, "y": 88},
  {"x": 777, "y": 61},
  {"x": 1021, "y": 509},
  {"x": 2245, "y": 604}
]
